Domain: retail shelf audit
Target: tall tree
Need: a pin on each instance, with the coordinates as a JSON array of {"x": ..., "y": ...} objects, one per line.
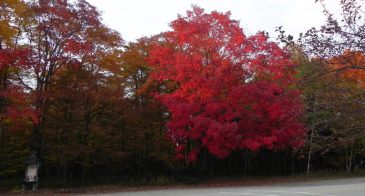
[
  {"x": 15, "y": 111},
  {"x": 223, "y": 90},
  {"x": 335, "y": 51},
  {"x": 334, "y": 109},
  {"x": 61, "y": 34}
]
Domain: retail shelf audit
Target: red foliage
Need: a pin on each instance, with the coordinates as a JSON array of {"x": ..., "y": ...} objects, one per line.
[
  {"x": 12, "y": 57},
  {"x": 16, "y": 109},
  {"x": 228, "y": 91}
]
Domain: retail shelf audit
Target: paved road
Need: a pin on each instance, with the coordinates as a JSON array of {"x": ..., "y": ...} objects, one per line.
[{"x": 346, "y": 187}]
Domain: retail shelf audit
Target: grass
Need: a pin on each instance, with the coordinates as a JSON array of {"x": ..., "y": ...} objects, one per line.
[{"x": 167, "y": 182}]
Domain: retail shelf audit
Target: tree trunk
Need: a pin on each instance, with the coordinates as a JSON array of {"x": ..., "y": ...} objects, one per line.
[
  {"x": 1, "y": 136},
  {"x": 35, "y": 140},
  {"x": 292, "y": 164},
  {"x": 311, "y": 136},
  {"x": 349, "y": 162},
  {"x": 64, "y": 172}
]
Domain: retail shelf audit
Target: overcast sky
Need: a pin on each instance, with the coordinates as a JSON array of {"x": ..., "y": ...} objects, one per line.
[{"x": 137, "y": 18}]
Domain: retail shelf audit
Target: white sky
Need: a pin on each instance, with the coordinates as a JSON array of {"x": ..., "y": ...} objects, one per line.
[{"x": 137, "y": 18}]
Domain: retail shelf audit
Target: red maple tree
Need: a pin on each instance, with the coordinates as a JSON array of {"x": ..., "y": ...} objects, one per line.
[{"x": 224, "y": 90}]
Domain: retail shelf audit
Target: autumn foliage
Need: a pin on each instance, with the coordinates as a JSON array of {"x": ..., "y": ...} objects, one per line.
[
  {"x": 350, "y": 66},
  {"x": 202, "y": 99},
  {"x": 224, "y": 90},
  {"x": 17, "y": 108}
]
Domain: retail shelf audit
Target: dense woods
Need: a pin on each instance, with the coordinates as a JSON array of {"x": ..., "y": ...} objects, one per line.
[{"x": 203, "y": 99}]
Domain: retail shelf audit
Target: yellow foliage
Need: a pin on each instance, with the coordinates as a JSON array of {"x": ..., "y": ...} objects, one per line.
[{"x": 11, "y": 16}]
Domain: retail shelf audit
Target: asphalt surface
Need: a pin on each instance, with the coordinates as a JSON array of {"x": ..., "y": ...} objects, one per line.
[{"x": 346, "y": 187}]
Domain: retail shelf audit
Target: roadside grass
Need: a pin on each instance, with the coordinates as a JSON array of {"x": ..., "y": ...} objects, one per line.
[{"x": 159, "y": 182}]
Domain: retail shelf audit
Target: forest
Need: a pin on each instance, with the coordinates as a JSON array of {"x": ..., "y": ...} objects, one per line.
[{"x": 201, "y": 100}]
